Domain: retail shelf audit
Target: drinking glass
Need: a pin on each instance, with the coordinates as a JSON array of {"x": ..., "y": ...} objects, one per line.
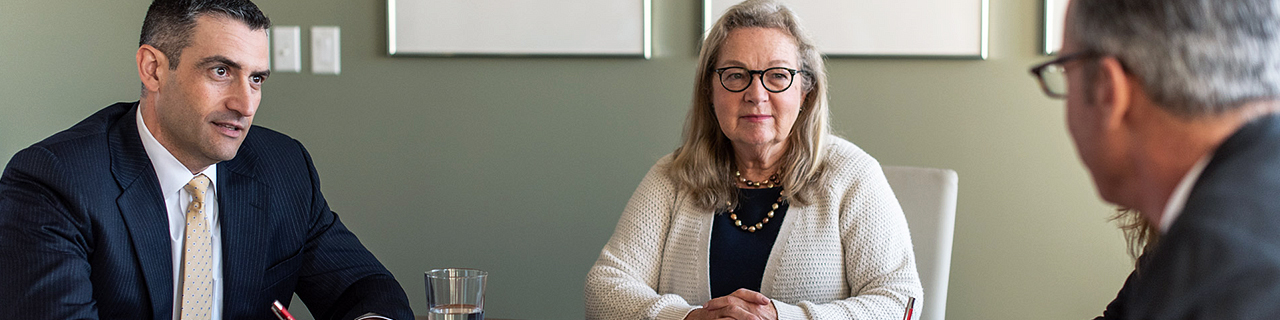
[{"x": 456, "y": 293}]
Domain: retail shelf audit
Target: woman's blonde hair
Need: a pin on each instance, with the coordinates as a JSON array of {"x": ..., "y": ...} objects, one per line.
[
  {"x": 703, "y": 164},
  {"x": 1139, "y": 234}
]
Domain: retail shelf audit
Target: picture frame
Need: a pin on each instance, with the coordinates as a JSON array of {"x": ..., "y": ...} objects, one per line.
[
  {"x": 936, "y": 29},
  {"x": 616, "y": 28},
  {"x": 1055, "y": 14}
]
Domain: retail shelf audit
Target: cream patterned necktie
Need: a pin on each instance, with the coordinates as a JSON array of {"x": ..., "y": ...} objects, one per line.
[{"x": 197, "y": 272}]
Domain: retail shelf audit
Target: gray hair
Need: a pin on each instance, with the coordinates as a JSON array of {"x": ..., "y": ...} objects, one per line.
[{"x": 1194, "y": 57}]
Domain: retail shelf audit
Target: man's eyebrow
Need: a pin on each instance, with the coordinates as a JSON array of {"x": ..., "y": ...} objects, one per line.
[{"x": 219, "y": 59}]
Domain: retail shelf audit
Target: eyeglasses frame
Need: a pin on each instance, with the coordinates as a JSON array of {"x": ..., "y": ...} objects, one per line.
[
  {"x": 1037, "y": 71},
  {"x": 753, "y": 74}
]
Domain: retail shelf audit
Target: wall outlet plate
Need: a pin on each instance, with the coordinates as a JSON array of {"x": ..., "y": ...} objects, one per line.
[
  {"x": 287, "y": 49},
  {"x": 326, "y": 52}
]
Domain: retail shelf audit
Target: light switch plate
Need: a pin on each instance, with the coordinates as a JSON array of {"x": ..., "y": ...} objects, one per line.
[
  {"x": 287, "y": 49},
  {"x": 326, "y": 53}
]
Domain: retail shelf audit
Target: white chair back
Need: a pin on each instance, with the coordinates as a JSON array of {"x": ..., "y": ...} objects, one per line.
[{"x": 928, "y": 199}]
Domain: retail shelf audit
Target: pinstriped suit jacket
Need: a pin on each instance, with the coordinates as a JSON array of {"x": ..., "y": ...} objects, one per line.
[{"x": 84, "y": 234}]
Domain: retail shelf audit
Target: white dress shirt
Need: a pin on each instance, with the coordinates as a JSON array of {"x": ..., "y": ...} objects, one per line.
[
  {"x": 173, "y": 178},
  {"x": 1178, "y": 199}
]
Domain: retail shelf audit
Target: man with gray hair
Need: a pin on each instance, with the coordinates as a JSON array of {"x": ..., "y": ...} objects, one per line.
[{"x": 1172, "y": 108}]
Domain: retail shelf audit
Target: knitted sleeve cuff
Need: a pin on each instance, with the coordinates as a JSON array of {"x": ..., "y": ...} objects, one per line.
[
  {"x": 676, "y": 312},
  {"x": 788, "y": 311}
]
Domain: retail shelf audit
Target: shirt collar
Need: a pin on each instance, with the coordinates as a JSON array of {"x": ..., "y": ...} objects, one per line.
[
  {"x": 172, "y": 174},
  {"x": 1178, "y": 199}
]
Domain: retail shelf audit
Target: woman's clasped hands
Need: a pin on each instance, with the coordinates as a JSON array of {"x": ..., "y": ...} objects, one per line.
[{"x": 740, "y": 305}]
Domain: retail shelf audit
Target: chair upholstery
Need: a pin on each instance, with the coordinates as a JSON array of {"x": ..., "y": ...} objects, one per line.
[{"x": 928, "y": 199}]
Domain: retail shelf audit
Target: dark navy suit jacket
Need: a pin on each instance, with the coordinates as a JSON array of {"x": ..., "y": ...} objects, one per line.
[
  {"x": 1221, "y": 258},
  {"x": 84, "y": 233}
]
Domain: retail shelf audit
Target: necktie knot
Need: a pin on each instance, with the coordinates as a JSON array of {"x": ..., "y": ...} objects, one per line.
[{"x": 198, "y": 187}]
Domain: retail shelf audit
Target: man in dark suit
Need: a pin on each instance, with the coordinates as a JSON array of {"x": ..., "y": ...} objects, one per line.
[
  {"x": 1172, "y": 108},
  {"x": 169, "y": 208}
]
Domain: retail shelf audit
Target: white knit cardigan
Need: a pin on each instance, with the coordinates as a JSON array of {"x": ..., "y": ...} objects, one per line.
[{"x": 847, "y": 255}]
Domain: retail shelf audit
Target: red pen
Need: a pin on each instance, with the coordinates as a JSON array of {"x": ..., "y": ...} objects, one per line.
[
  {"x": 911, "y": 303},
  {"x": 280, "y": 312}
]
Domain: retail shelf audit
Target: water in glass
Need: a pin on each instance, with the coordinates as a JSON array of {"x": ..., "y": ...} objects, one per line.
[{"x": 457, "y": 312}]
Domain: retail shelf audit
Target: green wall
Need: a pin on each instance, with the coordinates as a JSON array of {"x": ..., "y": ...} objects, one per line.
[{"x": 521, "y": 166}]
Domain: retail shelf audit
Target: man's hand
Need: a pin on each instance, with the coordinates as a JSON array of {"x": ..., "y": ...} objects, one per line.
[{"x": 740, "y": 305}]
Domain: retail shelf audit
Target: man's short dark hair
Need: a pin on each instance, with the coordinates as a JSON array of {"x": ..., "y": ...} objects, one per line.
[{"x": 170, "y": 23}]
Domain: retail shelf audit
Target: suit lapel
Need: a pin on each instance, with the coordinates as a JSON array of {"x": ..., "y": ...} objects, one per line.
[
  {"x": 241, "y": 199},
  {"x": 141, "y": 205}
]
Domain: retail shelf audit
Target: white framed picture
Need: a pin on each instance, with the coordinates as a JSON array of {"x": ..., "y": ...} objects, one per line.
[
  {"x": 954, "y": 29},
  {"x": 1055, "y": 15},
  {"x": 506, "y": 27}
]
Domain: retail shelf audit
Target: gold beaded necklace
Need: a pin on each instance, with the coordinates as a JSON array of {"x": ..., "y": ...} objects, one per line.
[
  {"x": 773, "y": 181},
  {"x": 758, "y": 225}
]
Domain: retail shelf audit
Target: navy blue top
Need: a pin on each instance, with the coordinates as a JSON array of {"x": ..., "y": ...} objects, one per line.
[{"x": 738, "y": 257}]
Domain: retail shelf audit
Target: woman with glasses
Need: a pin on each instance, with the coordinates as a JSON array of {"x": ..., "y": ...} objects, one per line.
[{"x": 760, "y": 213}]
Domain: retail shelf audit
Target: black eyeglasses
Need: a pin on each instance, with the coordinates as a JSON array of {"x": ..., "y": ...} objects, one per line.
[
  {"x": 1052, "y": 74},
  {"x": 776, "y": 79}
]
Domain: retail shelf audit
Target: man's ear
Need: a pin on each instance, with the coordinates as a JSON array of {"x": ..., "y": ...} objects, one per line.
[
  {"x": 1113, "y": 91},
  {"x": 152, "y": 66}
]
